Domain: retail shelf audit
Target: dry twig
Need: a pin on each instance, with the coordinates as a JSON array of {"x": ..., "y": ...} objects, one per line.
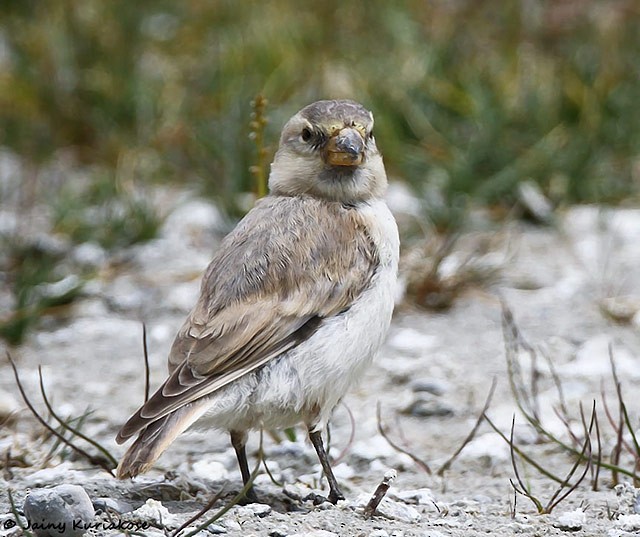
[
  {"x": 380, "y": 492},
  {"x": 473, "y": 431},
  {"x": 106, "y": 463},
  {"x": 423, "y": 465},
  {"x": 73, "y": 430}
]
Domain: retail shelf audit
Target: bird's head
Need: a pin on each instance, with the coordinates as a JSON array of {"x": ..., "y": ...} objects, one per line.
[{"x": 327, "y": 150}]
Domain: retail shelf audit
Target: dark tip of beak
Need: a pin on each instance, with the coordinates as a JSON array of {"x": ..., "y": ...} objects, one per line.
[{"x": 349, "y": 141}]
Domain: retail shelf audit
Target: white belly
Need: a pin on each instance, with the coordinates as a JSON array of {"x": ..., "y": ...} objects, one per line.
[{"x": 304, "y": 384}]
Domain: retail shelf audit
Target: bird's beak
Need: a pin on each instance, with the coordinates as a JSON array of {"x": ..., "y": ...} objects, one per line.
[{"x": 345, "y": 148}]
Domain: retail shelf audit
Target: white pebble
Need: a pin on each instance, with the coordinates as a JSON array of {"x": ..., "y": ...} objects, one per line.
[{"x": 571, "y": 520}]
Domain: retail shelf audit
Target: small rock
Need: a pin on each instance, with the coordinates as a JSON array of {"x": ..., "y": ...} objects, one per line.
[
  {"x": 628, "y": 522},
  {"x": 424, "y": 408},
  {"x": 288, "y": 449},
  {"x": 378, "y": 533},
  {"x": 482, "y": 499},
  {"x": 152, "y": 532},
  {"x": 315, "y": 533},
  {"x": 216, "y": 529},
  {"x": 592, "y": 359},
  {"x": 210, "y": 469},
  {"x": 231, "y": 525},
  {"x": 416, "y": 497},
  {"x": 49, "y": 476},
  {"x": 253, "y": 509},
  {"x": 157, "y": 514},
  {"x": 323, "y": 504},
  {"x": 412, "y": 341},
  {"x": 59, "y": 511},
  {"x": 8, "y": 407},
  {"x": 621, "y": 309},
  {"x": 111, "y": 505},
  {"x": 571, "y": 520},
  {"x": 295, "y": 492},
  {"x": 343, "y": 471},
  {"x": 431, "y": 386},
  {"x": 489, "y": 446},
  {"x": 372, "y": 449},
  {"x": 392, "y": 510}
]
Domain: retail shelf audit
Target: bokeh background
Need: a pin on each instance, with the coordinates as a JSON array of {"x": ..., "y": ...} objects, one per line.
[{"x": 100, "y": 100}]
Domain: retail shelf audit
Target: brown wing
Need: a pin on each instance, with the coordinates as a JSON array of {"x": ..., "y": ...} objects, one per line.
[{"x": 288, "y": 265}]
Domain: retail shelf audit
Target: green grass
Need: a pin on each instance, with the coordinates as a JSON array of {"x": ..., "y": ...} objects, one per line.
[
  {"x": 102, "y": 211},
  {"x": 32, "y": 272},
  {"x": 471, "y": 98}
]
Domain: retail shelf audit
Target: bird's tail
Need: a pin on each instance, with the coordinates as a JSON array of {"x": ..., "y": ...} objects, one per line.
[{"x": 157, "y": 437}]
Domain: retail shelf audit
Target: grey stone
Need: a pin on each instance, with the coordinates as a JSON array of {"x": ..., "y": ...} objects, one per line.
[
  {"x": 231, "y": 525},
  {"x": 398, "y": 511},
  {"x": 254, "y": 509},
  {"x": 59, "y": 511},
  {"x": 314, "y": 533},
  {"x": 431, "y": 386},
  {"x": 571, "y": 520},
  {"x": 422, "y": 496},
  {"x": 424, "y": 408},
  {"x": 112, "y": 505},
  {"x": 392, "y": 510}
]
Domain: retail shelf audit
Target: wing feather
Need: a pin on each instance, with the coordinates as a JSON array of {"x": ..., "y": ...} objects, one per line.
[{"x": 289, "y": 264}]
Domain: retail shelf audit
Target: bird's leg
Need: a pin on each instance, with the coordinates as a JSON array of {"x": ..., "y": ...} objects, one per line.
[
  {"x": 334, "y": 490},
  {"x": 238, "y": 441}
]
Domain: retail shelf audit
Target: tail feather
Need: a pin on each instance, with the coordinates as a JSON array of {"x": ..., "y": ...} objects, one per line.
[{"x": 155, "y": 438}]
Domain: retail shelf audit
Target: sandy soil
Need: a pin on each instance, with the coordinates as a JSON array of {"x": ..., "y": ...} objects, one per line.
[{"x": 430, "y": 382}]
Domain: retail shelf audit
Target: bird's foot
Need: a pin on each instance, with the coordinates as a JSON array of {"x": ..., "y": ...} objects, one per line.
[
  {"x": 249, "y": 497},
  {"x": 317, "y": 499},
  {"x": 335, "y": 495}
]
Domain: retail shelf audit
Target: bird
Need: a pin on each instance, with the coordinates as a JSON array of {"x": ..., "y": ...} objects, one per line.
[{"x": 295, "y": 303}]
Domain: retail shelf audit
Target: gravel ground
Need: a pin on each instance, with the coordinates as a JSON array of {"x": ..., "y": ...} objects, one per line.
[{"x": 564, "y": 286}]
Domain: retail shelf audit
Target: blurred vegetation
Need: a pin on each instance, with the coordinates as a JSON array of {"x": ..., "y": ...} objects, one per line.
[
  {"x": 101, "y": 212},
  {"x": 471, "y": 98},
  {"x": 37, "y": 283}
]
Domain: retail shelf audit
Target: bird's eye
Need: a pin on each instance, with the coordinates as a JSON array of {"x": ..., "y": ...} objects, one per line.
[
  {"x": 370, "y": 135},
  {"x": 306, "y": 135}
]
